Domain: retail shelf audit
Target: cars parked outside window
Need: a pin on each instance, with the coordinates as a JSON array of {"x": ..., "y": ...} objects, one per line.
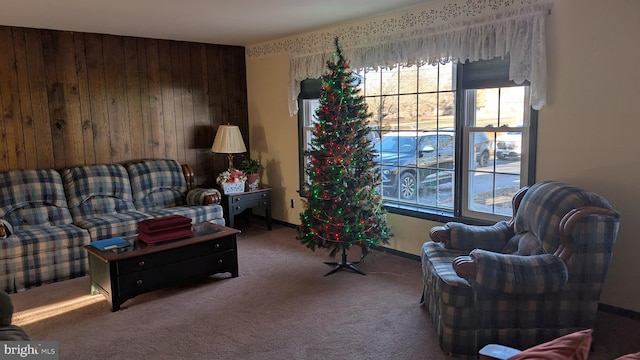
[
  {"x": 413, "y": 161},
  {"x": 509, "y": 145},
  {"x": 408, "y": 158}
]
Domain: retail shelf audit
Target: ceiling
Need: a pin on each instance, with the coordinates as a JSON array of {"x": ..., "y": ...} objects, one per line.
[{"x": 235, "y": 22}]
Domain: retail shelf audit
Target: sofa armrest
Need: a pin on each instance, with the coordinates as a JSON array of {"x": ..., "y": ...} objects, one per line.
[
  {"x": 513, "y": 274},
  {"x": 465, "y": 237},
  {"x": 188, "y": 176},
  {"x": 201, "y": 196}
]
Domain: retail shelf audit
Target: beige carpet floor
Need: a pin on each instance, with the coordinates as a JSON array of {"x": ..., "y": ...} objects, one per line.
[{"x": 280, "y": 307}]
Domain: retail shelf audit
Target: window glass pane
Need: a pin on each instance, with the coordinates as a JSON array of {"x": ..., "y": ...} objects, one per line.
[
  {"x": 427, "y": 111},
  {"x": 389, "y": 110},
  {"x": 487, "y": 106},
  {"x": 446, "y": 110},
  {"x": 509, "y": 149},
  {"x": 407, "y": 117},
  {"x": 371, "y": 82},
  {"x": 447, "y": 76},
  {"x": 492, "y": 193},
  {"x": 408, "y": 80},
  {"x": 512, "y": 106},
  {"x": 374, "y": 107},
  {"x": 428, "y": 78},
  {"x": 389, "y": 81},
  {"x": 437, "y": 190},
  {"x": 480, "y": 149}
]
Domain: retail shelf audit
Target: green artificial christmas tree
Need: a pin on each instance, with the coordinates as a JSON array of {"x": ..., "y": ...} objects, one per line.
[{"x": 343, "y": 206}]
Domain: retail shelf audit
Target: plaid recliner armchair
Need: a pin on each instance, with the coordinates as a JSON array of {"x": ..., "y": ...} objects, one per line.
[{"x": 522, "y": 282}]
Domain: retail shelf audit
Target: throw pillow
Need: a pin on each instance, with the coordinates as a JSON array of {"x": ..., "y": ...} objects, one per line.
[
  {"x": 634, "y": 356},
  {"x": 574, "y": 346}
]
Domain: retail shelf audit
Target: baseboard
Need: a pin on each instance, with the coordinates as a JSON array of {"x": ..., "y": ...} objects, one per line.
[
  {"x": 619, "y": 311},
  {"x": 403, "y": 254},
  {"x": 378, "y": 248}
]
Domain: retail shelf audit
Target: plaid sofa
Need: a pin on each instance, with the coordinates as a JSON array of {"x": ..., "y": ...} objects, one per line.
[
  {"x": 47, "y": 216},
  {"x": 41, "y": 245},
  {"x": 535, "y": 278},
  {"x": 159, "y": 188}
]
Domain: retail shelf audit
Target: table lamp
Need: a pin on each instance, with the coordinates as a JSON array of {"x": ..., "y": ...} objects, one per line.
[{"x": 228, "y": 141}]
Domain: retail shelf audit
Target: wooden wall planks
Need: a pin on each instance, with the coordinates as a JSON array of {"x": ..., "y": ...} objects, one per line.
[{"x": 72, "y": 99}]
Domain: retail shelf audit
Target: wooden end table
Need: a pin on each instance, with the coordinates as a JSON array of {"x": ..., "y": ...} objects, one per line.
[
  {"x": 236, "y": 203},
  {"x": 122, "y": 274}
]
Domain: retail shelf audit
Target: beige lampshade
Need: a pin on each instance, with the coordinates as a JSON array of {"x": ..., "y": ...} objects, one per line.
[{"x": 228, "y": 140}]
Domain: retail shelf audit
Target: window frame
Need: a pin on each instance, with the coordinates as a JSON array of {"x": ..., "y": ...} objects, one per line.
[
  {"x": 309, "y": 90},
  {"x": 475, "y": 75}
]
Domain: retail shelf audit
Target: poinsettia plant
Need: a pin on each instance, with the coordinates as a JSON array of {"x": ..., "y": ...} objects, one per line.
[{"x": 233, "y": 176}]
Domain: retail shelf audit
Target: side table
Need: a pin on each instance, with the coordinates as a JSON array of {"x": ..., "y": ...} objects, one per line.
[{"x": 236, "y": 203}]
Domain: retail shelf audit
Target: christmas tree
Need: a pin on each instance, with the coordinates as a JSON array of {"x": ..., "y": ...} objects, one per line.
[{"x": 343, "y": 206}]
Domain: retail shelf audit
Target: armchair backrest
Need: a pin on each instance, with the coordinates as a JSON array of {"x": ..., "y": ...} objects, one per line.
[
  {"x": 541, "y": 212},
  {"x": 33, "y": 197},
  {"x": 579, "y": 226},
  {"x": 157, "y": 183},
  {"x": 95, "y": 190}
]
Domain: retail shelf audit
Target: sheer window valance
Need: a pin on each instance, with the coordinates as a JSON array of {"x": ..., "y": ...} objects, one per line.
[{"x": 518, "y": 34}]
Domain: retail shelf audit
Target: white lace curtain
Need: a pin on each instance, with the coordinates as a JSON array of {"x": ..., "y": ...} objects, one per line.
[{"x": 518, "y": 34}]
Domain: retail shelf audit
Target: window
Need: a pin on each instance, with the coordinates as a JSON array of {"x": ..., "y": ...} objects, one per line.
[
  {"x": 308, "y": 103},
  {"x": 453, "y": 139}
]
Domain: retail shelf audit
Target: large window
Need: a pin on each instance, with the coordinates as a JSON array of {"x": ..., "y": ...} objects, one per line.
[{"x": 454, "y": 139}]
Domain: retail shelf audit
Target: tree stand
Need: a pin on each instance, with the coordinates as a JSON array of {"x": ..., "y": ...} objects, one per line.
[{"x": 343, "y": 264}]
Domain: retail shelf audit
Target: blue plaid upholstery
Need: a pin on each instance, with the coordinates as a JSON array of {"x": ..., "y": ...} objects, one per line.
[
  {"x": 159, "y": 188},
  {"x": 522, "y": 294},
  {"x": 44, "y": 246},
  {"x": 100, "y": 200}
]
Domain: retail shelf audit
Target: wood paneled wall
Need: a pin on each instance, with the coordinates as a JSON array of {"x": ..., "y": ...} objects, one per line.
[{"x": 72, "y": 99}]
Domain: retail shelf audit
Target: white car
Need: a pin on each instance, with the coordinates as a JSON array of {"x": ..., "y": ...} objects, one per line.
[{"x": 509, "y": 145}]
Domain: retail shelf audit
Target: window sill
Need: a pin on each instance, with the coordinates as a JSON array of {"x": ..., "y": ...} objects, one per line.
[{"x": 440, "y": 216}]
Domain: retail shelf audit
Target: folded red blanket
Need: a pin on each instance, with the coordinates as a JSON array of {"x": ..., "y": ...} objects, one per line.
[
  {"x": 164, "y": 223},
  {"x": 166, "y": 236}
]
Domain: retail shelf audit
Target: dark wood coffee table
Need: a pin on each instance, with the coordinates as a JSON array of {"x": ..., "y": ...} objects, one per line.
[{"x": 122, "y": 274}]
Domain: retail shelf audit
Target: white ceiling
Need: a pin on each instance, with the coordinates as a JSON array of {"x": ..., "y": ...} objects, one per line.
[{"x": 228, "y": 22}]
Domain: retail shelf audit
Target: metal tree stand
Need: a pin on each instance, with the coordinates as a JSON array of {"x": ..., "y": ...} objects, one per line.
[{"x": 343, "y": 264}]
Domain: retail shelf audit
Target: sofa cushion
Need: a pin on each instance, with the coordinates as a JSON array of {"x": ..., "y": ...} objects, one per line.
[
  {"x": 212, "y": 213},
  {"x": 96, "y": 190},
  {"x": 113, "y": 225},
  {"x": 159, "y": 188},
  {"x": 33, "y": 197},
  {"x": 157, "y": 183},
  {"x": 100, "y": 200}
]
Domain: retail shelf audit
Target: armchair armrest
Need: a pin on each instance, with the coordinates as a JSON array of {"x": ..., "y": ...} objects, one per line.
[
  {"x": 201, "y": 196},
  {"x": 5, "y": 229},
  {"x": 513, "y": 274},
  {"x": 468, "y": 237},
  {"x": 568, "y": 222}
]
